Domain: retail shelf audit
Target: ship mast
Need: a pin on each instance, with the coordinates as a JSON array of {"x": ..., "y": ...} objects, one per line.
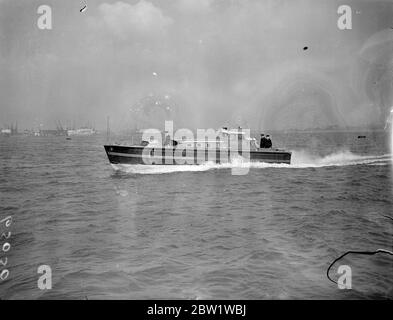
[{"x": 107, "y": 128}]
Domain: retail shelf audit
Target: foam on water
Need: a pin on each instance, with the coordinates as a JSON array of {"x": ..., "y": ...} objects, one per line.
[
  {"x": 300, "y": 159},
  {"x": 303, "y": 159},
  {"x": 159, "y": 169}
]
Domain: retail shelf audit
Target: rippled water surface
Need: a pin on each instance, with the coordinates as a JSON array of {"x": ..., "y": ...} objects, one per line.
[{"x": 197, "y": 232}]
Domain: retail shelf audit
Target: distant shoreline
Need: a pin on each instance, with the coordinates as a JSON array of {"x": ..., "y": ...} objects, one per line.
[{"x": 338, "y": 130}]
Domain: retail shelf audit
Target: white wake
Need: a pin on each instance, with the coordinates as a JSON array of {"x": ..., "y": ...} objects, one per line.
[{"x": 300, "y": 159}]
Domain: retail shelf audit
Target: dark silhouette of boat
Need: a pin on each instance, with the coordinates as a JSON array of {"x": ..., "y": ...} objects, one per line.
[{"x": 221, "y": 150}]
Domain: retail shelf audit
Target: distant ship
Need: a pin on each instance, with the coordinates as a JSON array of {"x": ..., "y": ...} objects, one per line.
[
  {"x": 195, "y": 152},
  {"x": 81, "y": 132},
  {"x": 10, "y": 130},
  {"x": 6, "y": 132}
]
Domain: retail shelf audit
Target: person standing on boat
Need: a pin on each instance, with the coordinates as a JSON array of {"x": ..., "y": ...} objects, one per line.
[
  {"x": 167, "y": 141},
  {"x": 268, "y": 143},
  {"x": 262, "y": 143}
]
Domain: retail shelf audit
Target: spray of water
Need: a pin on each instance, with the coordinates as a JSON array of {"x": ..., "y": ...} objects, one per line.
[{"x": 300, "y": 160}]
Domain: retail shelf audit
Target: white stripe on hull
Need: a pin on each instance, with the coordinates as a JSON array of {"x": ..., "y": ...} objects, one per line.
[{"x": 189, "y": 160}]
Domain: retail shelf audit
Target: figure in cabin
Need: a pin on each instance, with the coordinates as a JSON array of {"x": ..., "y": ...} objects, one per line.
[
  {"x": 268, "y": 142},
  {"x": 262, "y": 143}
]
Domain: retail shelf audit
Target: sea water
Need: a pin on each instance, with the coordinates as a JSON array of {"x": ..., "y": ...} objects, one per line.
[{"x": 197, "y": 232}]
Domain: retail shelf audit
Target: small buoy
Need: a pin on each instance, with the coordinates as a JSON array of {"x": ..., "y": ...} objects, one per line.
[{"x": 305, "y": 48}]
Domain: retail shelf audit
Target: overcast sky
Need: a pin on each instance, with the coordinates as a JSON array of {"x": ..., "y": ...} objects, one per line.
[{"x": 205, "y": 63}]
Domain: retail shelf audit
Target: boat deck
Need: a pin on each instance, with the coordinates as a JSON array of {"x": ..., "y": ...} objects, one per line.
[{"x": 118, "y": 154}]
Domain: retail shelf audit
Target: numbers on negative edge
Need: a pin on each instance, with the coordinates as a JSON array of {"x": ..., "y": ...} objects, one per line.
[
  {"x": 5, "y": 247},
  {"x": 7, "y": 220}
]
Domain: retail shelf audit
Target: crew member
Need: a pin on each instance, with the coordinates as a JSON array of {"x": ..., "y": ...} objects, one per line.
[
  {"x": 262, "y": 143},
  {"x": 167, "y": 141},
  {"x": 268, "y": 142}
]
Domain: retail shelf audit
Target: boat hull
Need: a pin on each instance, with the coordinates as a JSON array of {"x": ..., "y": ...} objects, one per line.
[{"x": 169, "y": 156}]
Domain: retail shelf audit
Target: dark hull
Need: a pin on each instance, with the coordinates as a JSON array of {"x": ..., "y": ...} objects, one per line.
[{"x": 167, "y": 156}]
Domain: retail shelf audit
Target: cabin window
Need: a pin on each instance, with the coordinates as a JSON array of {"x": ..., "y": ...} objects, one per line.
[
  {"x": 152, "y": 152},
  {"x": 183, "y": 153},
  {"x": 189, "y": 145},
  {"x": 198, "y": 144}
]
